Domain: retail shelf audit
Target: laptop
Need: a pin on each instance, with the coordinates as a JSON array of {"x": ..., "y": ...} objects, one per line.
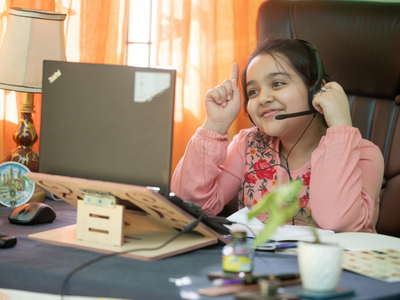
[
  {"x": 105, "y": 148},
  {"x": 107, "y": 122},
  {"x": 111, "y": 123}
]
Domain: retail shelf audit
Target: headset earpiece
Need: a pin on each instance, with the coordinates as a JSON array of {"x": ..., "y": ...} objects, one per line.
[{"x": 317, "y": 86}]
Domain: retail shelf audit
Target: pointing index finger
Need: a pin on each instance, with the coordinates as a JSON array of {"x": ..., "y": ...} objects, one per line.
[{"x": 235, "y": 71}]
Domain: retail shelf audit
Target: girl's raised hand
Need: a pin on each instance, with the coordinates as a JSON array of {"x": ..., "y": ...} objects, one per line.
[
  {"x": 333, "y": 104},
  {"x": 223, "y": 103}
]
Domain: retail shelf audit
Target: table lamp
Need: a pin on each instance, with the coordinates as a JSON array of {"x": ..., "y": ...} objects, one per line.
[{"x": 31, "y": 37}]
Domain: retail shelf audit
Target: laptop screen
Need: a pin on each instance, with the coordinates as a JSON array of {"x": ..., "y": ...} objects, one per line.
[{"x": 107, "y": 122}]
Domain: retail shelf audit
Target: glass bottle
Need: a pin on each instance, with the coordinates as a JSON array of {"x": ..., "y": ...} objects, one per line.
[{"x": 237, "y": 256}]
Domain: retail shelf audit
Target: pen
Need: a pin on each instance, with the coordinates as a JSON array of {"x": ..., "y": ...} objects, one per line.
[
  {"x": 285, "y": 245},
  {"x": 276, "y": 245},
  {"x": 253, "y": 279}
]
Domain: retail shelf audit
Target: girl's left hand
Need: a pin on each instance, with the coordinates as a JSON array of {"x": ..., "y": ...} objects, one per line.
[{"x": 333, "y": 104}]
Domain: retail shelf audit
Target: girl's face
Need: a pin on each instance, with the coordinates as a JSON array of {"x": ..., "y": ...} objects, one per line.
[{"x": 275, "y": 88}]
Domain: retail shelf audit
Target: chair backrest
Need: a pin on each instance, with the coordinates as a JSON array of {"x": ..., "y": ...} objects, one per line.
[{"x": 359, "y": 44}]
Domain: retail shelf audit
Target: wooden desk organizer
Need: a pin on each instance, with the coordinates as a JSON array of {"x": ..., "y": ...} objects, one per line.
[
  {"x": 99, "y": 219},
  {"x": 105, "y": 226}
]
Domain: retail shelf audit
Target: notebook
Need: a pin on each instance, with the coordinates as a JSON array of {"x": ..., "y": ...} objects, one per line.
[
  {"x": 107, "y": 122},
  {"x": 282, "y": 233}
]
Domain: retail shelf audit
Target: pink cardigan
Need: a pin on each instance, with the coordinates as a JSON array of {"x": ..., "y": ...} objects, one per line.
[{"x": 341, "y": 183}]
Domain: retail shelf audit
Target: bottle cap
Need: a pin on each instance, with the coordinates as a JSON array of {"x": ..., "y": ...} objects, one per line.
[{"x": 239, "y": 234}]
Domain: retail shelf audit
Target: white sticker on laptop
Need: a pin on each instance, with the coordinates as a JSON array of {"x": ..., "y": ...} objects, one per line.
[{"x": 150, "y": 84}]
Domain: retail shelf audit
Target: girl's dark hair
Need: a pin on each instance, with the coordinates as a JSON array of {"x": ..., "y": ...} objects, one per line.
[{"x": 300, "y": 55}]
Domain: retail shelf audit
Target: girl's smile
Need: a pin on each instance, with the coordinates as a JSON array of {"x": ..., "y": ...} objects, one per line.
[{"x": 271, "y": 112}]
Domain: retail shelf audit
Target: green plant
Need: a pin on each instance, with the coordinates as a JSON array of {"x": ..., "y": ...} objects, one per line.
[{"x": 282, "y": 205}]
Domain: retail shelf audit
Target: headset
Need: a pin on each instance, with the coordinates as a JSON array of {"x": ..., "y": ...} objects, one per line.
[{"x": 316, "y": 88}]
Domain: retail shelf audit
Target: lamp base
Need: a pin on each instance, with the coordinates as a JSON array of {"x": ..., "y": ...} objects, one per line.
[
  {"x": 26, "y": 156},
  {"x": 25, "y": 136}
]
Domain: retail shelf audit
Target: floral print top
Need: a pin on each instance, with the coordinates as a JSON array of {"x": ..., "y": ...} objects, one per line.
[
  {"x": 341, "y": 183},
  {"x": 264, "y": 170}
]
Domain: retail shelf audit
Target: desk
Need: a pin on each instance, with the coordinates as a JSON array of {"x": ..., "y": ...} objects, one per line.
[{"x": 38, "y": 267}]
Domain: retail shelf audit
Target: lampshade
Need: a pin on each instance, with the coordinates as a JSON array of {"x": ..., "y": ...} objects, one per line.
[{"x": 32, "y": 36}]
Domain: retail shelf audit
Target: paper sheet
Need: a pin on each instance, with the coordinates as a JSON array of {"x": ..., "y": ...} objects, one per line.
[
  {"x": 358, "y": 241},
  {"x": 19, "y": 295},
  {"x": 285, "y": 232}
]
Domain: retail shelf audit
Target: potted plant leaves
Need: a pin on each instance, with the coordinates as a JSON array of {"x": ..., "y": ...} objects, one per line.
[{"x": 319, "y": 263}]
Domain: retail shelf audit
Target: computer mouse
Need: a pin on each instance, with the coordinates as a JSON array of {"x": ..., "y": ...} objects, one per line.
[{"x": 32, "y": 213}]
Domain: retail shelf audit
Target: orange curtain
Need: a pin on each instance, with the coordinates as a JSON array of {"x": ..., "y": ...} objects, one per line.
[
  {"x": 202, "y": 39},
  {"x": 95, "y": 32}
]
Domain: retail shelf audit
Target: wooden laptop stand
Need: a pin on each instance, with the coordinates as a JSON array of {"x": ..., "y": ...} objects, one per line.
[{"x": 103, "y": 225}]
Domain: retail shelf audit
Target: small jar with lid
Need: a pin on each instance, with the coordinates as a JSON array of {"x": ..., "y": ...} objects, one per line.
[{"x": 237, "y": 256}]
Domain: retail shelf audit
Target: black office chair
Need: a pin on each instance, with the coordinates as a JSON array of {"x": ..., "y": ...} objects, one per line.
[{"x": 359, "y": 43}]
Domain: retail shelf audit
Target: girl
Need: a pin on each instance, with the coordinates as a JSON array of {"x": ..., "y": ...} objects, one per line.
[{"x": 341, "y": 172}]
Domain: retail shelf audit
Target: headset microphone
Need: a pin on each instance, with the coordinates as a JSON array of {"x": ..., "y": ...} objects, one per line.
[
  {"x": 298, "y": 114},
  {"x": 311, "y": 94}
]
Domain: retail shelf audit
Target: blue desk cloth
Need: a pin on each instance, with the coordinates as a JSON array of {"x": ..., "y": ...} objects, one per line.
[{"x": 39, "y": 267}]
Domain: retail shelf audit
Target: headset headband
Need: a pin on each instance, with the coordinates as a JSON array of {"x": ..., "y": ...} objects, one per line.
[{"x": 317, "y": 86}]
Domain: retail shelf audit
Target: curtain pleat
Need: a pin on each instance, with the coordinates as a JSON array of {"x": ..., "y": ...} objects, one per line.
[
  {"x": 95, "y": 32},
  {"x": 202, "y": 39}
]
